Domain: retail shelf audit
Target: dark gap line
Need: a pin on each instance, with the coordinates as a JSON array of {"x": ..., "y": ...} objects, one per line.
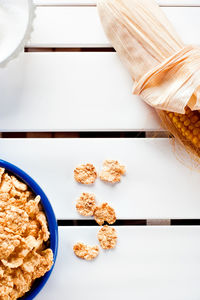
[
  {"x": 185, "y": 222},
  {"x": 69, "y": 49},
  {"x": 93, "y": 223},
  {"x": 128, "y": 222},
  {"x": 91, "y": 134},
  {"x": 111, "y": 134},
  {"x": 13, "y": 134},
  {"x": 67, "y": 5}
]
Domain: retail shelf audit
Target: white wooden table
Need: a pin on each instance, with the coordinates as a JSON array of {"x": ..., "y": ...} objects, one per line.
[{"x": 69, "y": 83}]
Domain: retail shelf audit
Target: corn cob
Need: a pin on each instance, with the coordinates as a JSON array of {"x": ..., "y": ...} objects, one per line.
[
  {"x": 188, "y": 125},
  {"x": 185, "y": 127}
]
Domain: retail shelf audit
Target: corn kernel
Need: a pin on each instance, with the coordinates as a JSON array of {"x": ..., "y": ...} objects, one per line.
[
  {"x": 183, "y": 118},
  {"x": 194, "y": 119},
  {"x": 187, "y": 122},
  {"x": 195, "y": 131},
  {"x": 179, "y": 125},
  {"x": 191, "y": 127},
  {"x": 197, "y": 124},
  {"x": 175, "y": 120},
  {"x": 195, "y": 140},
  {"x": 191, "y": 114},
  {"x": 187, "y": 133},
  {"x": 183, "y": 129},
  {"x": 190, "y": 137},
  {"x": 188, "y": 125}
]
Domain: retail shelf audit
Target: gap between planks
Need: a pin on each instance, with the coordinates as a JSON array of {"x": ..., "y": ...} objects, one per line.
[
  {"x": 69, "y": 49},
  {"x": 91, "y": 134},
  {"x": 129, "y": 222}
]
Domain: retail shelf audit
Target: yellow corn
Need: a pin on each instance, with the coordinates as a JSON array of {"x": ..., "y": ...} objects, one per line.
[{"x": 187, "y": 125}]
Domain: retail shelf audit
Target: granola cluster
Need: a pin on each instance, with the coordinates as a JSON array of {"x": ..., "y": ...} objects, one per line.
[{"x": 23, "y": 236}]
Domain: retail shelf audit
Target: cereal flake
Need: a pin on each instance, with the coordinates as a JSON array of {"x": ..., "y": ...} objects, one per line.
[
  {"x": 112, "y": 171},
  {"x": 2, "y": 170},
  {"x": 85, "y": 204},
  {"x": 86, "y": 252},
  {"x": 85, "y": 174},
  {"x": 18, "y": 184},
  {"x": 8, "y": 243},
  {"x": 6, "y": 184},
  {"x": 104, "y": 213},
  {"x": 4, "y": 197},
  {"x": 38, "y": 263},
  {"x": 32, "y": 207},
  {"x": 14, "y": 218},
  {"x": 107, "y": 237},
  {"x": 23, "y": 231},
  {"x": 41, "y": 218}
]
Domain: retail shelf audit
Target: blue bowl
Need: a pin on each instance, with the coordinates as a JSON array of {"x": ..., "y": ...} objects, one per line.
[{"x": 51, "y": 219}]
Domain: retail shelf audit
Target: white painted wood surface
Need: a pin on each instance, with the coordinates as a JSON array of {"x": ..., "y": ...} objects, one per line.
[
  {"x": 70, "y": 92},
  {"x": 93, "y": 2},
  {"x": 148, "y": 263},
  {"x": 81, "y": 27},
  {"x": 157, "y": 185}
]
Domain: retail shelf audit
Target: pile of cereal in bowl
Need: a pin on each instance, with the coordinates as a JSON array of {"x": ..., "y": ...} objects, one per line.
[{"x": 24, "y": 238}]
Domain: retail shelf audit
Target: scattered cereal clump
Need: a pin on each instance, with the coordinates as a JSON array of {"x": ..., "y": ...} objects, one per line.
[
  {"x": 112, "y": 171},
  {"x": 107, "y": 237},
  {"x": 85, "y": 174},
  {"x": 86, "y": 252},
  {"x": 104, "y": 213},
  {"x": 23, "y": 231},
  {"x": 85, "y": 204}
]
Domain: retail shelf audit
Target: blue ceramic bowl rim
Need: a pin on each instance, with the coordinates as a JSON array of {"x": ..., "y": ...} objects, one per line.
[{"x": 52, "y": 223}]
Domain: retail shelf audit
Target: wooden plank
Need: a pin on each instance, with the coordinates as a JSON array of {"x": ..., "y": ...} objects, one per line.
[
  {"x": 81, "y": 27},
  {"x": 70, "y": 92},
  {"x": 93, "y": 2},
  {"x": 148, "y": 263},
  {"x": 157, "y": 185}
]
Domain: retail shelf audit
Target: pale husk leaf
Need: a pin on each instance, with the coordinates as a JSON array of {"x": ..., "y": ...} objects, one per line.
[{"x": 166, "y": 73}]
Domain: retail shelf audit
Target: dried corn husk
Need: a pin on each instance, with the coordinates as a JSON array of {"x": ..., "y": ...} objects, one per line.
[{"x": 166, "y": 73}]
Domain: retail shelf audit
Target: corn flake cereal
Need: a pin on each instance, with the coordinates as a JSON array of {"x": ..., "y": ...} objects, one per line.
[
  {"x": 85, "y": 204},
  {"x": 6, "y": 183},
  {"x": 85, "y": 174},
  {"x": 86, "y": 252},
  {"x": 23, "y": 233},
  {"x": 41, "y": 218},
  {"x": 107, "y": 237},
  {"x": 104, "y": 213},
  {"x": 2, "y": 170},
  {"x": 18, "y": 185},
  {"x": 112, "y": 171},
  {"x": 8, "y": 243}
]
